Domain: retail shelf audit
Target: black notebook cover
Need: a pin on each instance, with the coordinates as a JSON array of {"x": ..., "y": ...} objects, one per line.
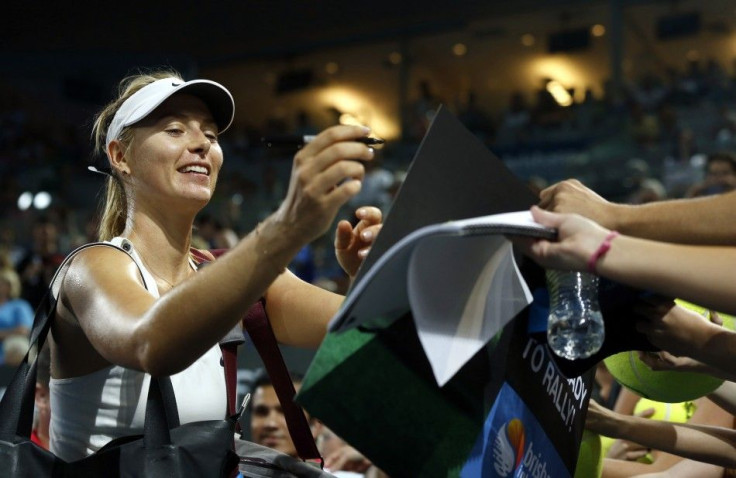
[{"x": 455, "y": 176}]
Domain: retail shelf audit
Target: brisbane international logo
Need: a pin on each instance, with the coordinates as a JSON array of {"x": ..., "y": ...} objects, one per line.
[{"x": 508, "y": 447}]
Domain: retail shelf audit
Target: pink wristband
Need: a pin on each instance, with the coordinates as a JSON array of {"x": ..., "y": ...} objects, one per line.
[{"x": 602, "y": 249}]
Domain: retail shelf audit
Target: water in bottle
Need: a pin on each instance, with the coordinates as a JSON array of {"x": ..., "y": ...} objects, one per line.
[{"x": 575, "y": 325}]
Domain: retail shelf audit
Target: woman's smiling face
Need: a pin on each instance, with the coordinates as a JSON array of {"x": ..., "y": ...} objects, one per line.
[{"x": 175, "y": 153}]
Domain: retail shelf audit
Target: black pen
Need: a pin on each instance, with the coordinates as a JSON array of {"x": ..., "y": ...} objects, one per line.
[{"x": 299, "y": 141}]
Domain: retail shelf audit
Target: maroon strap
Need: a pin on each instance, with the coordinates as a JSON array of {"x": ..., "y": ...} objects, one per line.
[
  {"x": 229, "y": 348},
  {"x": 261, "y": 334},
  {"x": 259, "y": 329},
  {"x": 230, "y": 362}
]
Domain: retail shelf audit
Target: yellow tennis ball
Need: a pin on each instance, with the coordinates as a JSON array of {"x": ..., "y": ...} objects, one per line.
[
  {"x": 664, "y": 386},
  {"x": 590, "y": 457},
  {"x": 671, "y": 412}
]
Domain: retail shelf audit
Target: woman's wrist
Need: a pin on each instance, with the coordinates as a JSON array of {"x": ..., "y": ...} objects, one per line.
[
  {"x": 597, "y": 255},
  {"x": 273, "y": 243}
]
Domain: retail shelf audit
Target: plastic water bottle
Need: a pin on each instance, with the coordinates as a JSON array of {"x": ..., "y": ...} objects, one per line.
[{"x": 575, "y": 324}]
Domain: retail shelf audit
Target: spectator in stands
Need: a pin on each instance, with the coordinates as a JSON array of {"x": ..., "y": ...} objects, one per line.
[
  {"x": 213, "y": 234},
  {"x": 16, "y": 314},
  {"x": 546, "y": 111},
  {"x": 267, "y": 422},
  {"x": 42, "y": 417},
  {"x": 588, "y": 113},
  {"x": 304, "y": 265},
  {"x": 648, "y": 93},
  {"x": 475, "y": 119},
  {"x": 725, "y": 128},
  {"x": 670, "y": 126},
  {"x": 649, "y": 190},
  {"x": 515, "y": 121},
  {"x": 268, "y": 428},
  {"x": 422, "y": 110},
  {"x": 303, "y": 124},
  {"x": 720, "y": 175},
  {"x": 15, "y": 348},
  {"x": 38, "y": 264},
  {"x": 644, "y": 126},
  {"x": 641, "y": 188},
  {"x": 636, "y": 170},
  {"x": 376, "y": 187}
]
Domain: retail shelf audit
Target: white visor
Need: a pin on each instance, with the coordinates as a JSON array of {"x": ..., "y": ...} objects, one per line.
[{"x": 144, "y": 101}]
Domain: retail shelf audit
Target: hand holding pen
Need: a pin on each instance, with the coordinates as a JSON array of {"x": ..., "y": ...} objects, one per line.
[
  {"x": 326, "y": 172},
  {"x": 298, "y": 141}
]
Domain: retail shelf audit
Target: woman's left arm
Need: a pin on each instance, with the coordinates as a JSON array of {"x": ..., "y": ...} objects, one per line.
[
  {"x": 299, "y": 312},
  {"x": 353, "y": 243}
]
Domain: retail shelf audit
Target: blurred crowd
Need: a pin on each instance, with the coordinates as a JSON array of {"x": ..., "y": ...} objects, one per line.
[{"x": 659, "y": 137}]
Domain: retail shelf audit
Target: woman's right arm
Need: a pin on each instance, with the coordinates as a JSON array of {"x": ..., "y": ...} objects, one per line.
[
  {"x": 102, "y": 292},
  {"x": 127, "y": 326}
]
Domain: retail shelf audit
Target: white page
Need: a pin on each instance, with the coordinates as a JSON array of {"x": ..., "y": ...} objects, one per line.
[
  {"x": 381, "y": 295},
  {"x": 462, "y": 291}
]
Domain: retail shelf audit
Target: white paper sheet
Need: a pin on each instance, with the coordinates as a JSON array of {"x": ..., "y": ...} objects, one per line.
[
  {"x": 462, "y": 291},
  {"x": 459, "y": 280}
]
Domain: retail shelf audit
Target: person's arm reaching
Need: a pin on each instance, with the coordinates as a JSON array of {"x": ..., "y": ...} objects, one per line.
[
  {"x": 712, "y": 444},
  {"x": 725, "y": 397},
  {"x": 628, "y": 469},
  {"x": 299, "y": 312},
  {"x": 706, "y": 220},
  {"x": 699, "y": 274},
  {"x": 665, "y": 361},
  {"x": 681, "y": 333}
]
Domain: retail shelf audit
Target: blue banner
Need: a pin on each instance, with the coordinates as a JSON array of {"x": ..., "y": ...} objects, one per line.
[{"x": 513, "y": 444}]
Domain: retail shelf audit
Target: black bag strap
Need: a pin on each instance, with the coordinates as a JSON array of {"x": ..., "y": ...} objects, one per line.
[
  {"x": 16, "y": 406},
  {"x": 161, "y": 413}
]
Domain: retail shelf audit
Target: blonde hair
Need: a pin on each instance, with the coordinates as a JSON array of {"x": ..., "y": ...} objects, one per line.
[
  {"x": 115, "y": 207},
  {"x": 15, "y": 347},
  {"x": 11, "y": 277}
]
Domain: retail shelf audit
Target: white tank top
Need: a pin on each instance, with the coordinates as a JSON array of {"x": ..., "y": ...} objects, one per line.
[{"x": 89, "y": 411}]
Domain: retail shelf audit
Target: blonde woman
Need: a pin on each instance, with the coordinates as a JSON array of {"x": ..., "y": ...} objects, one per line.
[
  {"x": 16, "y": 314},
  {"x": 126, "y": 315}
]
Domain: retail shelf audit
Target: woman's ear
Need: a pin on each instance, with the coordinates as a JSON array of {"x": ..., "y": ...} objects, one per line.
[{"x": 118, "y": 160}]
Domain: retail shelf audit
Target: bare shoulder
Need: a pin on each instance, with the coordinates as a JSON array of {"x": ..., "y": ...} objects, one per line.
[
  {"x": 96, "y": 269},
  {"x": 88, "y": 283},
  {"x": 98, "y": 263}
]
